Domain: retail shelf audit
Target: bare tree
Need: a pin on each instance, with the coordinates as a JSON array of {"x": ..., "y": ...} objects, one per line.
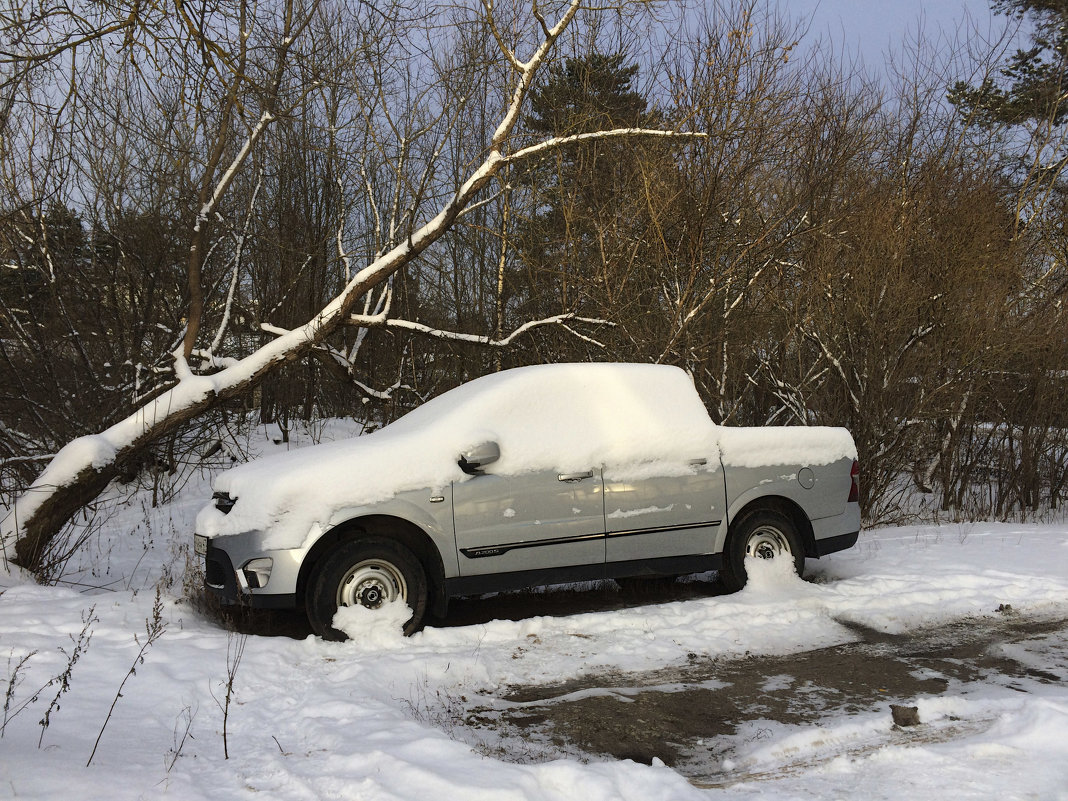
[{"x": 421, "y": 209}]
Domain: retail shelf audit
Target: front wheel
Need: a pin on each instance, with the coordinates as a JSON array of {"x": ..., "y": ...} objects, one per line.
[
  {"x": 370, "y": 572},
  {"x": 764, "y": 534}
]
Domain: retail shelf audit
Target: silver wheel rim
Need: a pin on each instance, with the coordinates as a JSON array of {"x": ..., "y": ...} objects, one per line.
[
  {"x": 768, "y": 542},
  {"x": 371, "y": 584}
]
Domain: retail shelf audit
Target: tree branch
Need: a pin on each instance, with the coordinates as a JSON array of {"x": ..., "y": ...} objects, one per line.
[
  {"x": 615, "y": 133},
  {"x": 380, "y": 321}
]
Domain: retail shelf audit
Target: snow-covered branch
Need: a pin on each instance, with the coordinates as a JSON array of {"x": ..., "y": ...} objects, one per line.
[
  {"x": 381, "y": 320},
  {"x": 266, "y": 118},
  {"x": 372, "y": 321},
  {"x": 527, "y": 72},
  {"x": 216, "y": 342},
  {"x": 615, "y": 133},
  {"x": 836, "y": 363},
  {"x": 915, "y": 338},
  {"x": 508, "y": 53}
]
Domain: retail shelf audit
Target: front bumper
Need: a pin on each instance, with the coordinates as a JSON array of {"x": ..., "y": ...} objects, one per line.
[{"x": 231, "y": 587}]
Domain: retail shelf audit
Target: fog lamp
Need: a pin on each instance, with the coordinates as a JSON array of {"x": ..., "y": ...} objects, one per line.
[{"x": 258, "y": 572}]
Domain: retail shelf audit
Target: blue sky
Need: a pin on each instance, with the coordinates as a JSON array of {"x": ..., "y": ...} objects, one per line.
[{"x": 872, "y": 27}]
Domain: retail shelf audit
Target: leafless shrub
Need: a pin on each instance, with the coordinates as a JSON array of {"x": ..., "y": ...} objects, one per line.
[
  {"x": 13, "y": 681},
  {"x": 441, "y": 708},
  {"x": 155, "y": 626},
  {"x": 61, "y": 682},
  {"x": 235, "y": 650},
  {"x": 183, "y": 727}
]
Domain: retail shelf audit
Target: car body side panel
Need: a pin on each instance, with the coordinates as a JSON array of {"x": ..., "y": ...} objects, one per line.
[
  {"x": 820, "y": 490},
  {"x": 528, "y": 522},
  {"x": 421, "y": 508}
]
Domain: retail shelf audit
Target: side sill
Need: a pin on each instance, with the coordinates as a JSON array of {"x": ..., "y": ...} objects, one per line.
[
  {"x": 665, "y": 566},
  {"x": 522, "y": 579}
]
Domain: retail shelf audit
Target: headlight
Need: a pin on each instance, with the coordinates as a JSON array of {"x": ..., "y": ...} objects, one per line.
[{"x": 200, "y": 545}]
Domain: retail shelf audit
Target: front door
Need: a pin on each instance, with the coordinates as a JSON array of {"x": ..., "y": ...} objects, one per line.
[{"x": 529, "y": 522}]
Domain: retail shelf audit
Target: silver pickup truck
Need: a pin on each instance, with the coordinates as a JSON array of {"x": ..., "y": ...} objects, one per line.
[{"x": 532, "y": 476}]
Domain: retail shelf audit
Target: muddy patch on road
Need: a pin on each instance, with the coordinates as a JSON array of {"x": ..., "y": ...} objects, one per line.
[{"x": 694, "y": 717}]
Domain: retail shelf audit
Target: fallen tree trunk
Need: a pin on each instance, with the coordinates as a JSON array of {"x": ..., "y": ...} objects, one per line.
[{"x": 84, "y": 467}]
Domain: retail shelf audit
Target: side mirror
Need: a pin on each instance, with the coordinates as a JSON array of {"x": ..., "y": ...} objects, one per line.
[{"x": 474, "y": 459}]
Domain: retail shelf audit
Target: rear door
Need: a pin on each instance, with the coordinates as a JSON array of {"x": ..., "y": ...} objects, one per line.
[
  {"x": 664, "y": 516},
  {"x": 532, "y": 521}
]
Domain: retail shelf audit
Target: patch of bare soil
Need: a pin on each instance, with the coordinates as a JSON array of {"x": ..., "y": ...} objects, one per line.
[{"x": 693, "y": 717}]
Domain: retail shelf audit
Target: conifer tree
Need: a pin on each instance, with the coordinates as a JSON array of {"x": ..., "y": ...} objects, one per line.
[
  {"x": 580, "y": 227},
  {"x": 1034, "y": 83}
]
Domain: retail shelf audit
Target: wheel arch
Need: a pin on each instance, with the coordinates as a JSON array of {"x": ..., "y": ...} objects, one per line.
[
  {"x": 398, "y": 529},
  {"x": 791, "y": 510}
]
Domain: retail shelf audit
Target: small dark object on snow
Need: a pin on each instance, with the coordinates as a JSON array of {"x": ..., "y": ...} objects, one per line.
[
  {"x": 1005, "y": 609},
  {"x": 905, "y": 715}
]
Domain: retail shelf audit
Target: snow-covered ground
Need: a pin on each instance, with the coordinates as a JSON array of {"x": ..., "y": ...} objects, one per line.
[{"x": 316, "y": 720}]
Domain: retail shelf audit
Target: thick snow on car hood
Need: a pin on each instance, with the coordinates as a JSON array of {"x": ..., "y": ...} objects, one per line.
[{"x": 638, "y": 419}]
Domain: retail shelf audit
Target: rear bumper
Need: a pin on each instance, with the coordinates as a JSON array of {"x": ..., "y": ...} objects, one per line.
[
  {"x": 839, "y": 543},
  {"x": 831, "y": 534}
]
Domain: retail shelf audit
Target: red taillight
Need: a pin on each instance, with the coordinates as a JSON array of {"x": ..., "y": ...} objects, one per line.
[{"x": 854, "y": 489}]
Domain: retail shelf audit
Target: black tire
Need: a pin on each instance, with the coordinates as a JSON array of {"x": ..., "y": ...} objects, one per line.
[
  {"x": 371, "y": 571},
  {"x": 764, "y": 533}
]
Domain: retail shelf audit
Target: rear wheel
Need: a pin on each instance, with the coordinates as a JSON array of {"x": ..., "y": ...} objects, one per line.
[
  {"x": 764, "y": 534},
  {"x": 371, "y": 573}
]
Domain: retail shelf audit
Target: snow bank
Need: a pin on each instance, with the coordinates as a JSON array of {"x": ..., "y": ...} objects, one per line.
[
  {"x": 778, "y": 445},
  {"x": 374, "y": 629}
]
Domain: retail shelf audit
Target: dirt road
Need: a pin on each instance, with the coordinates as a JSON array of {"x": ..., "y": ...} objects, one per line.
[{"x": 694, "y": 717}]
